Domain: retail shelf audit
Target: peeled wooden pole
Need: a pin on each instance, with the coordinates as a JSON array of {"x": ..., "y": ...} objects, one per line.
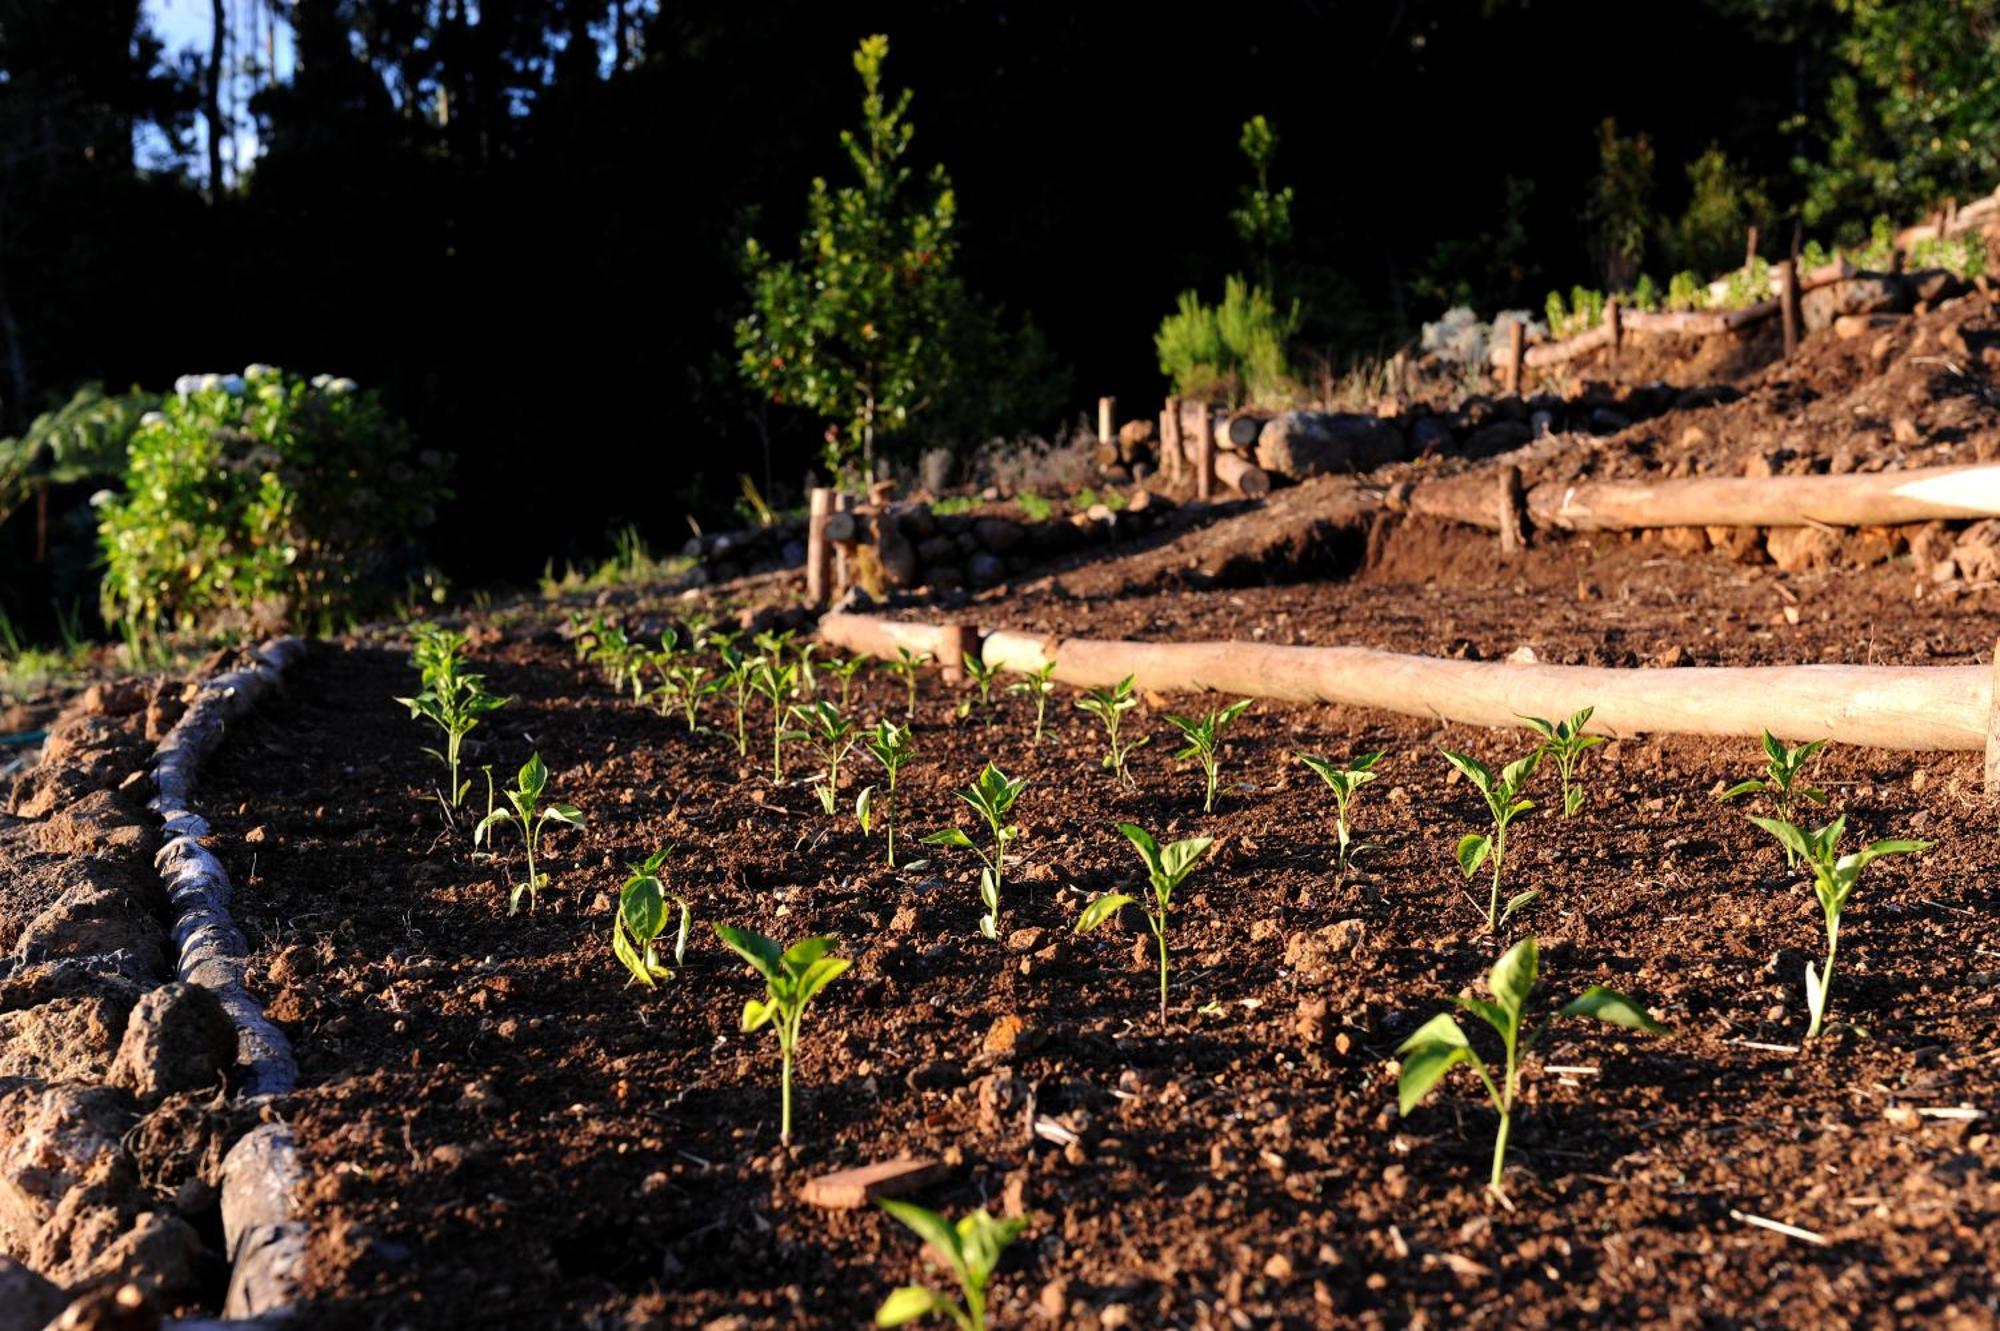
[
  {"x": 1861, "y": 499},
  {"x": 1788, "y": 304},
  {"x": 881, "y": 638},
  {"x": 1517, "y": 352},
  {"x": 1889, "y": 707},
  {"x": 1203, "y": 445},
  {"x": 819, "y": 548},
  {"x": 1170, "y": 439},
  {"x": 1107, "y": 433}
]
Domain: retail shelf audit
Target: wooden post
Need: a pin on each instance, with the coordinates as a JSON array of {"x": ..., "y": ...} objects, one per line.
[
  {"x": 1170, "y": 439},
  {"x": 819, "y": 551},
  {"x": 1517, "y": 355},
  {"x": 843, "y": 575},
  {"x": 959, "y": 641},
  {"x": 1950, "y": 216},
  {"x": 1788, "y": 304},
  {"x": 1204, "y": 454},
  {"x": 1513, "y": 505},
  {"x": 1107, "y": 429},
  {"x": 1614, "y": 324},
  {"x": 1993, "y": 729},
  {"x": 881, "y": 494},
  {"x": 1750, "y": 248}
]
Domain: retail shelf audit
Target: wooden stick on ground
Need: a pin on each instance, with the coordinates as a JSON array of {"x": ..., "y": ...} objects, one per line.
[
  {"x": 1993, "y": 729},
  {"x": 1513, "y": 509}
]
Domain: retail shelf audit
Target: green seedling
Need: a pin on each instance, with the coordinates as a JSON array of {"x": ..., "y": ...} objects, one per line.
[
  {"x": 689, "y": 683},
  {"x": 1834, "y": 880},
  {"x": 970, "y": 1249},
  {"x": 451, "y": 698},
  {"x": 1165, "y": 870},
  {"x": 1440, "y": 1043},
  {"x": 1565, "y": 742},
  {"x": 739, "y": 675},
  {"x": 993, "y": 796},
  {"x": 982, "y": 676},
  {"x": 905, "y": 668},
  {"x": 1345, "y": 783},
  {"x": 531, "y": 817},
  {"x": 844, "y": 670},
  {"x": 1504, "y": 802},
  {"x": 1038, "y": 685},
  {"x": 1109, "y": 706},
  {"x": 776, "y": 683},
  {"x": 642, "y": 918},
  {"x": 1204, "y": 737},
  {"x": 1782, "y": 770},
  {"x": 891, "y": 746},
  {"x": 833, "y": 737},
  {"x": 793, "y": 977}
]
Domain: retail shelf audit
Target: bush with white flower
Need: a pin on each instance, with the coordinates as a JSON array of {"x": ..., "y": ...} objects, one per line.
[{"x": 264, "y": 499}]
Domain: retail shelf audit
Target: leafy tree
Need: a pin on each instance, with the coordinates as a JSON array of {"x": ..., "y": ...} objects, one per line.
[
  {"x": 1619, "y": 211},
  {"x": 1914, "y": 116},
  {"x": 1723, "y": 204},
  {"x": 1264, "y": 219},
  {"x": 1234, "y": 350},
  {"x": 859, "y": 327}
]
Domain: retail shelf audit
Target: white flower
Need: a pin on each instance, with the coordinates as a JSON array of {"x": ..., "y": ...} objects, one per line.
[
  {"x": 342, "y": 386},
  {"x": 187, "y": 383},
  {"x": 153, "y": 418},
  {"x": 259, "y": 371},
  {"x": 102, "y": 497},
  {"x": 211, "y": 382},
  {"x": 231, "y": 384},
  {"x": 321, "y": 380}
]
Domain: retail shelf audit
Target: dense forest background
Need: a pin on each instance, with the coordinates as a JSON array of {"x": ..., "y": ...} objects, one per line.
[{"x": 523, "y": 219}]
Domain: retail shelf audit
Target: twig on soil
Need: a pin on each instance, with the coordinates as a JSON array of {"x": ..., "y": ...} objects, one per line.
[{"x": 1780, "y": 1227}]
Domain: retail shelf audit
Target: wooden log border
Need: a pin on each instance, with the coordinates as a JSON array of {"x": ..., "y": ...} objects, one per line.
[
  {"x": 1900, "y": 708},
  {"x": 264, "y": 1236}
]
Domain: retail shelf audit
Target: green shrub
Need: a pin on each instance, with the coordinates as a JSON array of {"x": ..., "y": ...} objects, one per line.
[
  {"x": 264, "y": 499},
  {"x": 1235, "y": 350}
]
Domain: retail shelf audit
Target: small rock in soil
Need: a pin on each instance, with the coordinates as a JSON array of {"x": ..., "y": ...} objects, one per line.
[
  {"x": 937, "y": 1075},
  {"x": 1011, "y": 1034},
  {"x": 179, "y": 1039}
]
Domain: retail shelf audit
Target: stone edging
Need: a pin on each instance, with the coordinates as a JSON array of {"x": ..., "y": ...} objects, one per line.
[{"x": 264, "y": 1237}]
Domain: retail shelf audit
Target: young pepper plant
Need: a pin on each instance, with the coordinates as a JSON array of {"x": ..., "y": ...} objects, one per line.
[
  {"x": 833, "y": 737},
  {"x": 1345, "y": 783},
  {"x": 793, "y": 977},
  {"x": 1038, "y": 685},
  {"x": 845, "y": 669},
  {"x": 971, "y": 1249},
  {"x": 1440, "y": 1044},
  {"x": 1834, "y": 879},
  {"x": 1165, "y": 870},
  {"x": 451, "y": 698},
  {"x": 992, "y": 796},
  {"x": 1565, "y": 742},
  {"x": 739, "y": 673},
  {"x": 776, "y": 681},
  {"x": 1204, "y": 739},
  {"x": 982, "y": 676},
  {"x": 1782, "y": 769},
  {"x": 890, "y": 745},
  {"x": 905, "y": 667},
  {"x": 642, "y": 919},
  {"x": 1502, "y": 794},
  {"x": 528, "y": 814},
  {"x": 1109, "y": 706}
]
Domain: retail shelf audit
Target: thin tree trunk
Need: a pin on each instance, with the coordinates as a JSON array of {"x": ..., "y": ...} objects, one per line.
[{"x": 212, "y": 95}]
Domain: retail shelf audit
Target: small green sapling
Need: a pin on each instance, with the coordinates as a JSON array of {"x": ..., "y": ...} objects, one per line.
[
  {"x": 891, "y": 746},
  {"x": 738, "y": 675},
  {"x": 905, "y": 668},
  {"x": 1204, "y": 738},
  {"x": 1834, "y": 879},
  {"x": 1165, "y": 870},
  {"x": 971, "y": 1249},
  {"x": 993, "y": 796},
  {"x": 1440, "y": 1044},
  {"x": 531, "y": 817},
  {"x": 642, "y": 918},
  {"x": 1345, "y": 783},
  {"x": 793, "y": 976},
  {"x": 833, "y": 737},
  {"x": 776, "y": 681},
  {"x": 1502, "y": 794},
  {"x": 1038, "y": 685},
  {"x": 1565, "y": 742},
  {"x": 982, "y": 676},
  {"x": 845, "y": 669},
  {"x": 451, "y": 698},
  {"x": 1109, "y": 706},
  {"x": 1782, "y": 769}
]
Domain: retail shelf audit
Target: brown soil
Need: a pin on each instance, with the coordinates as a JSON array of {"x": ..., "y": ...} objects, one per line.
[{"x": 492, "y": 1119}]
